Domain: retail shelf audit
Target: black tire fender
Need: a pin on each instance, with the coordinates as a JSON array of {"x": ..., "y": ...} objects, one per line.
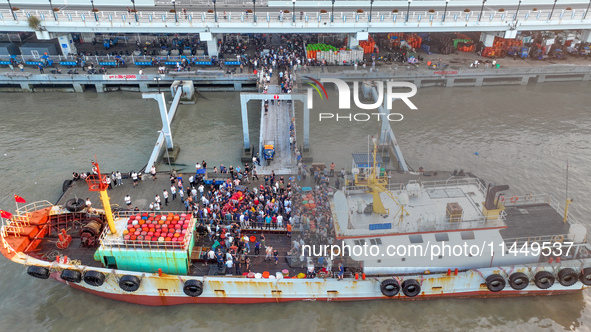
[
  {"x": 411, "y": 287},
  {"x": 585, "y": 276},
  {"x": 38, "y": 272},
  {"x": 193, "y": 287},
  {"x": 66, "y": 185},
  {"x": 518, "y": 281},
  {"x": 71, "y": 275},
  {"x": 567, "y": 277},
  {"x": 390, "y": 287},
  {"x": 495, "y": 283},
  {"x": 75, "y": 205},
  {"x": 544, "y": 279},
  {"x": 129, "y": 283},
  {"x": 94, "y": 278}
]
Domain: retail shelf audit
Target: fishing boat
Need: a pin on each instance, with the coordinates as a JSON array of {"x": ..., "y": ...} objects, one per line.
[{"x": 398, "y": 236}]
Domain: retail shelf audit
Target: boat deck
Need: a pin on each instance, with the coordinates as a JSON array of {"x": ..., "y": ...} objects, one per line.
[
  {"x": 277, "y": 239},
  {"x": 530, "y": 221}
]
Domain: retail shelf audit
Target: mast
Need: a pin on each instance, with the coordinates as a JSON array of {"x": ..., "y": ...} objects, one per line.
[{"x": 97, "y": 182}]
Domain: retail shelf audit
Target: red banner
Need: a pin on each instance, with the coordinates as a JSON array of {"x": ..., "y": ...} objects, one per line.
[
  {"x": 19, "y": 199},
  {"x": 5, "y": 214}
]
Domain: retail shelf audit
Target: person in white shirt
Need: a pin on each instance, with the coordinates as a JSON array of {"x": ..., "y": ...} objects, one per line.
[
  {"x": 165, "y": 195},
  {"x": 128, "y": 200}
]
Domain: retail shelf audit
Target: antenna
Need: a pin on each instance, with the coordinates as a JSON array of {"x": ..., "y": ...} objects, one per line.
[{"x": 566, "y": 180}]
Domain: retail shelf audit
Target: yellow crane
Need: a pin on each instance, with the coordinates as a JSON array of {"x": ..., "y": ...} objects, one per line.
[{"x": 377, "y": 186}]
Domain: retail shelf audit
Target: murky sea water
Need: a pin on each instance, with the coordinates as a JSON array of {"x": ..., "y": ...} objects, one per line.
[{"x": 523, "y": 136}]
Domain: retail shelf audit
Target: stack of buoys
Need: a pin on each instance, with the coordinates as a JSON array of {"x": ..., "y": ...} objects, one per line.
[
  {"x": 368, "y": 45},
  {"x": 463, "y": 43},
  {"x": 312, "y": 50},
  {"x": 413, "y": 40},
  {"x": 161, "y": 228}
]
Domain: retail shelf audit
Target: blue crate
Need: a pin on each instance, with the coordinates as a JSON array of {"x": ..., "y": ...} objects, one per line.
[
  {"x": 232, "y": 63},
  {"x": 202, "y": 63},
  {"x": 4, "y": 63},
  {"x": 108, "y": 63},
  {"x": 68, "y": 63},
  {"x": 143, "y": 63}
]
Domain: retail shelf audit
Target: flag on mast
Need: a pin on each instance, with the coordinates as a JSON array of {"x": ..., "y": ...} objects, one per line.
[
  {"x": 5, "y": 214},
  {"x": 19, "y": 199}
]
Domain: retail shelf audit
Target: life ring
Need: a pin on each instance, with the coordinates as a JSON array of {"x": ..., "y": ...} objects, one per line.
[
  {"x": 502, "y": 199},
  {"x": 544, "y": 279},
  {"x": 390, "y": 287},
  {"x": 71, "y": 275},
  {"x": 38, "y": 272},
  {"x": 75, "y": 205},
  {"x": 129, "y": 283},
  {"x": 518, "y": 281},
  {"x": 94, "y": 278},
  {"x": 193, "y": 287},
  {"x": 583, "y": 252},
  {"x": 514, "y": 199},
  {"x": 585, "y": 276},
  {"x": 567, "y": 277},
  {"x": 559, "y": 238},
  {"x": 495, "y": 283},
  {"x": 411, "y": 287}
]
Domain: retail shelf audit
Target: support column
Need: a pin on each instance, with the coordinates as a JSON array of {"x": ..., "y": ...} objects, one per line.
[
  {"x": 352, "y": 41},
  {"x": 159, "y": 97},
  {"x": 243, "y": 101},
  {"x": 487, "y": 38},
  {"x": 306, "y": 125},
  {"x": 78, "y": 87},
  {"x": 479, "y": 81},
  {"x": 67, "y": 44},
  {"x": 586, "y": 36},
  {"x": 144, "y": 87},
  {"x": 87, "y": 37},
  {"x": 100, "y": 87},
  {"x": 26, "y": 87},
  {"x": 449, "y": 83},
  {"x": 212, "y": 43},
  {"x": 237, "y": 86}
]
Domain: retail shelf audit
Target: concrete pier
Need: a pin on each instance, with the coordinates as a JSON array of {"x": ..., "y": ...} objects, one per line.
[{"x": 211, "y": 81}]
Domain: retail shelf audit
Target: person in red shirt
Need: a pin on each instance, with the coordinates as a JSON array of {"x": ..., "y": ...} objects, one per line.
[{"x": 274, "y": 222}]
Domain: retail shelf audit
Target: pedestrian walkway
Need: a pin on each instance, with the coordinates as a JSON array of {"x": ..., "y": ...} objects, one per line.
[{"x": 275, "y": 128}]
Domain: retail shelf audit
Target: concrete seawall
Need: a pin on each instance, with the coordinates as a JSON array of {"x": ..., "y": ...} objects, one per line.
[
  {"x": 462, "y": 77},
  {"x": 29, "y": 82},
  {"x": 421, "y": 77}
]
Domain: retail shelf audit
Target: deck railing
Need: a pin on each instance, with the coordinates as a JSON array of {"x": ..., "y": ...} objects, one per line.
[
  {"x": 121, "y": 243},
  {"x": 23, "y": 210}
]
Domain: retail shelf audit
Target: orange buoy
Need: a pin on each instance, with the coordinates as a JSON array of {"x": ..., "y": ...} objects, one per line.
[
  {"x": 266, "y": 274},
  {"x": 253, "y": 238}
]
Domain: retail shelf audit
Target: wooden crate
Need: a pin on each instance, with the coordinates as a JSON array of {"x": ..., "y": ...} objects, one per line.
[{"x": 454, "y": 211}]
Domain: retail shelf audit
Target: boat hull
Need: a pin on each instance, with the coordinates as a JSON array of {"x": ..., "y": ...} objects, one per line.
[{"x": 307, "y": 290}]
